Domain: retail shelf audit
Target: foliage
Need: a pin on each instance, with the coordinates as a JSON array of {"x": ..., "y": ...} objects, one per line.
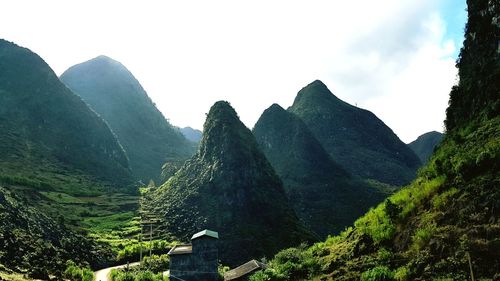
[
  {"x": 379, "y": 273},
  {"x": 135, "y": 274},
  {"x": 76, "y": 273}
]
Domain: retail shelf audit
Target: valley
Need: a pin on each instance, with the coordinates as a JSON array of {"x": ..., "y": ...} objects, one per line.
[{"x": 97, "y": 184}]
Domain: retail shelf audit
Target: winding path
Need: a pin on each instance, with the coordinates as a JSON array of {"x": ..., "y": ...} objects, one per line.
[{"x": 103, "y": 274}]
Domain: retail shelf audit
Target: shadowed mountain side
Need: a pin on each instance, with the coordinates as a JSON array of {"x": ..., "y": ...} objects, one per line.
[
  {"x": 425, "y": 144},
  {"x": 41, "y": 120},
  {"x": 116, "y": 95},
  {"x": 229, "y": 186},
  {"x": 326, "y": 198},
  {"x": 355, "y": 138}
]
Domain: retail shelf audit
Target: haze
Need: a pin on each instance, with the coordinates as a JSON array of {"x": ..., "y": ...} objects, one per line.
[{"x": 395, "y": 58}]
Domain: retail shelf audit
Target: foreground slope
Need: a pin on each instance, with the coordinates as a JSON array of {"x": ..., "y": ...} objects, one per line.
[
  {"x": 29, "y": 237},
  {"x": 446, "y": 224},
  {"x": 116, "y": 95},
  {"x": 43, "y": 124},
  {"x": 355, "y": 138},
  {"x": 425, "y": 144},
  {"x": 229, "y": 187},
  {"x": 325, "y": 196}
]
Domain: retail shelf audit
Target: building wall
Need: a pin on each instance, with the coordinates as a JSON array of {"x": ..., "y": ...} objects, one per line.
[{"x": 201, "y": 264}]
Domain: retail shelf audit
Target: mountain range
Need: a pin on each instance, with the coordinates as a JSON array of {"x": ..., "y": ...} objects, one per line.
[
  {"x": 355, "y": 138},
  {"x": 43, "y": 125},
  {"x": 324, "y": 195},
  {"x": 230, "y": 187},
  {"x": 114, "y": 93},
  {"x": 425, "y": 144}
]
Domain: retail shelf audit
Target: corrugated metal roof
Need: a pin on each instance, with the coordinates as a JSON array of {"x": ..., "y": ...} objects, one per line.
[
  {"x": 206, "y": 232},
  {"x": 181, "y": 249},
  {"x": 244, "y": 269}
]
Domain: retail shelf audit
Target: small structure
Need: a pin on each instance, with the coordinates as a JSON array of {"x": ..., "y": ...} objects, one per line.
[
  {"x": 195, "y": 261},
  {"x": 243, "y": 272}
]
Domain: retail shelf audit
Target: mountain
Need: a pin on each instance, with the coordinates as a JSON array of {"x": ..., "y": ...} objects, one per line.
[
  {"x": 425, "y": 144},
  {"x": 446, "y": 224},
  {"x": 229, "y": 186},
  {"x": 115, "y": 94},
  {"x": 325, "y": 197},
  {"x": 355, "y": 138},
  {"x": 46, "y": 127},
  {"x": 192, "y": 134},
  {"x": 29, "y": 237}
]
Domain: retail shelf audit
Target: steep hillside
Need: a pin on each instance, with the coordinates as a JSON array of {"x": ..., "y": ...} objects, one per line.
[
  {"x": 34, "y": 243},
  {"x": 446, "y": 224},
  {"x": 425, "y": 144},
  {"x": 229, "y": 187},
  {"x": 116, "y": 95},
  {"x": 355, "y": 138},
  {"x": 325, "y": 197},
  {"x": 43, "y": 124}
]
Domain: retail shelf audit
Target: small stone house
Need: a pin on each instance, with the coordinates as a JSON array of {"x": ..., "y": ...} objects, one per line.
[
  {"x": 243, "y": 272},
  {"x": 196, "y": 261}
]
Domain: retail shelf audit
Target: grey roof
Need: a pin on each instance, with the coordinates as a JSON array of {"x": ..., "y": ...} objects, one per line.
[
  {"x": 244, "y": 269},
  {"x": 181, "y": 249},
  {"x": 206, "y": 232}
]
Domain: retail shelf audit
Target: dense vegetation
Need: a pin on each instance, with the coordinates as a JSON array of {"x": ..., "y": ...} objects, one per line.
[
  {"x": 42, "y": 121},
  {"x": 325, "y": 197},
  {"x": 445, "y": 225},
  {"x": 425, "y": 144},
  {"x": 355, "y": 138},
  {"x": 229, "y": 187},
  {"x": 113, "y": 92},
  {"x": 29, "y": 237}
]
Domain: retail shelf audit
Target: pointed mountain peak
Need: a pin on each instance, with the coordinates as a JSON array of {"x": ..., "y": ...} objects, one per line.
[
  {"x": 224, "y": 134},
  {"x": 221, "y": 109},
  {"x": 315, "y": 91}
]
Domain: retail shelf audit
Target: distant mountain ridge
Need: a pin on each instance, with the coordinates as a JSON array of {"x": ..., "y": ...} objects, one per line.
[
  {"x": 41, "y": 120},
  {"x": 115, "y": 94},
  {"x": 355, "y": 138},
  {"x": 425, "y": 144},
  {"x": 191, "y": 134},
  {"x": 230, "y": 187},
  {"x": 326, "y": 197}
]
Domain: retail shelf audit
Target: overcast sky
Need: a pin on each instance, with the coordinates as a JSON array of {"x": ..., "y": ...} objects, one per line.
[{"x": 395, "y": 58}]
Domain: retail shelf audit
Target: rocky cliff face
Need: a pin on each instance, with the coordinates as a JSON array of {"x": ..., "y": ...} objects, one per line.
[{"x": 229, "y": 187}]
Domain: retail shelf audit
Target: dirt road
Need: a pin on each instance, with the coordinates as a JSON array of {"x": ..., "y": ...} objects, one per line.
[{"x": 103, "y": 274}]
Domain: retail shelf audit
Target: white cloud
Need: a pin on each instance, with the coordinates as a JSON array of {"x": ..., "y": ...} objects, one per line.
[{"x": 389, "y": 56}]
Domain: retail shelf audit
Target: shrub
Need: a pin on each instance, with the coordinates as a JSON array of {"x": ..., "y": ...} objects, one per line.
[
  {"x": 379, "y": 273},
  {"x": 76, "y": 273}
]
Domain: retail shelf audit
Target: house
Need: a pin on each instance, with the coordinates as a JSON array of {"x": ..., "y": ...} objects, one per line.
[
  {"x": 195, "y": 261},
  {"x": 243, "y": 272}
]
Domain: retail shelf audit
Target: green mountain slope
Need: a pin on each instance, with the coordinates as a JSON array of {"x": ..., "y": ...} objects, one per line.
[
  {"x": 44, "y": 125},
  {"x": 446, "y": 224},
  {"x": 229, "y": 186},
  {"x": 116, "y": 95},
  {"x": 425, "y": 144},
  {"x": 33, "y": 242},
  {"x": 325, "y": 197},
  {"x": 355, "y": 138}
]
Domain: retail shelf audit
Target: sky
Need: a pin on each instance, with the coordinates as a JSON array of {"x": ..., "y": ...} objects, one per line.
[{"x": 395, "y": 58}]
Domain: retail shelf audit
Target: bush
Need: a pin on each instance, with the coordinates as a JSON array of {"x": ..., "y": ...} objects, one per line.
[
  {"x": 76, "y": 273},
  {"x": 379, "y": 273}
]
